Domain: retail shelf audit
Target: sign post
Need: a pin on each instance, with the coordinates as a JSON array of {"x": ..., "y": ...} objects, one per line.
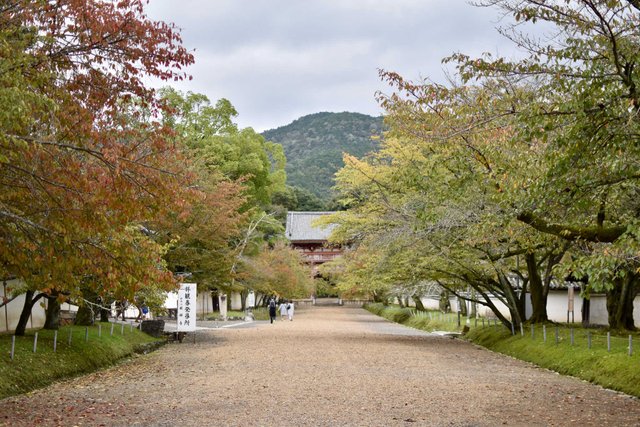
[
  {"x": 570, "y": 294},
  {"x": 186, "y": 318}
]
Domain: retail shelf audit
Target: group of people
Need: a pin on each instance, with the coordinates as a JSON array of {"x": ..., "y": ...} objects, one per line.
[{"x": 286, "y": 309}]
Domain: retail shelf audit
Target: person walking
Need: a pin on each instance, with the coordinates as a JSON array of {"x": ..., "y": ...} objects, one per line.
[
  {"x": 272, "y": 310},
  {"x": 283, "y": 310},
  {"x": 290, "y": 310}
]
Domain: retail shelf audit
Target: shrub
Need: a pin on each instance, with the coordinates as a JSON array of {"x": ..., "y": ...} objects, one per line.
[
  {"x": 419, "y": 322},
  {"x": 376, "y": 308},
  {"x": 397, "y": 314}
]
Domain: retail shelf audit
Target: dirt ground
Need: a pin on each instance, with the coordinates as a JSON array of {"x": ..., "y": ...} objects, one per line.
[{"x": 330, "y": 366}]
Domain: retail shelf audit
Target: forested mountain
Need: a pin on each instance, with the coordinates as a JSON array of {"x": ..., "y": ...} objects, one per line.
[{"x": 314, "y": 145}]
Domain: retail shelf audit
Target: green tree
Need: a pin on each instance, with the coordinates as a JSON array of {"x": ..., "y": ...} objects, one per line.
[
  {"x": 218, "y": 145},
  {"x": 585, "y": 122},
  {"x": 222, "y": 238}
]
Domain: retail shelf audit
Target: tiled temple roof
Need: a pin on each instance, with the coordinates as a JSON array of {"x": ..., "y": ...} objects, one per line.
[{"x": 299, "y": 227}]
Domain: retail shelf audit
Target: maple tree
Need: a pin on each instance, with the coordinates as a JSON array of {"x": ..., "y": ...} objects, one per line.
[
  {"x": 280, "y": 270},
  {"x": 83, "y": 162}
]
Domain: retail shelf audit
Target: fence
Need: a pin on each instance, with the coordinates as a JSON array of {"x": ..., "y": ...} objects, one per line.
[
  {"x": 575, "y": 337},
  {"x": 557, "y": 335},
  {"x": 354, "y": 302},
  {"x": 454, "y": 318},
  {"x": 55, "y": 340}
]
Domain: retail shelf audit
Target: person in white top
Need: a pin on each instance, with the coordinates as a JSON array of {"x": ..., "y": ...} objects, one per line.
[
  {"x": 283, "y": 310},
  {"x": 290, "y": 310}
]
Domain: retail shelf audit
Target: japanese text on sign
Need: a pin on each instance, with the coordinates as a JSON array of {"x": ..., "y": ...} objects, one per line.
[{"x": 187, "y": 307}]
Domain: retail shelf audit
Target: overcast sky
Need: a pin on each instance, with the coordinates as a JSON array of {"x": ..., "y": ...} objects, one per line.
[{"x": 277, "y": 60}]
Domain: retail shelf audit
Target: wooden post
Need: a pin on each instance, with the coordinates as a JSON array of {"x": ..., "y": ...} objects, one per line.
[{"x": 55, "y": 341}]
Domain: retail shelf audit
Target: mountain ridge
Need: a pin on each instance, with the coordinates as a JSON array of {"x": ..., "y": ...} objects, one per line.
[{"x": 313, "y": 145}]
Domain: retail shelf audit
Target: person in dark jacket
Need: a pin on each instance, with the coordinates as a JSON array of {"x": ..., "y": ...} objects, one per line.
[{"x": 272, "y": 309}]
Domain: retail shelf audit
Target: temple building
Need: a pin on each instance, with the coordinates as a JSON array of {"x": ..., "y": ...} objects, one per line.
[{"x": 309, "y": 239}]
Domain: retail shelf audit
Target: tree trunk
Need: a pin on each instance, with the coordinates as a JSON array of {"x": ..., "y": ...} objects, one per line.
[
  {"x": 52, "y": 319},
  {"x": 400, "y": 302},
  {"x": 444, "y": 304},
  {"x": 418, "y": 302},
  {"x": 103, "y": 306},
  {"x": 29, "y": 302},
  {"x": 84, "y": 316},
  {"x": 516, "y": 312},
  {"x": 243, "y": 299},
  {"x": 586, "y": 312},
  {"x": 87, "y": 313},
  {"x": 620, "y": 303},
  {"x": 104, "y": 311},
  {"x": 474, "y": 304},
  {"x": 538, "y": 297},
  {"x": 378, "y": 298},
  {"x": 26, "y": 313},
  {"x": 462, "y": 307}
]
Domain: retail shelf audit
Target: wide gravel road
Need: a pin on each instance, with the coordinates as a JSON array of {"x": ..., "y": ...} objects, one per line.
[{"x": 330, "y": 366}]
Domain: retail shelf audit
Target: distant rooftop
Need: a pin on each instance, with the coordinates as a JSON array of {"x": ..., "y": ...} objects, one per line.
[{"x": 299, "y": 227}]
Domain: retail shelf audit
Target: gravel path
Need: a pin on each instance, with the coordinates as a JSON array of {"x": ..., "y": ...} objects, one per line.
[{"x": 331, "y": 366}]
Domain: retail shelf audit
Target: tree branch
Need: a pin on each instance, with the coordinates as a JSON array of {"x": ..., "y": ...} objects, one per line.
[{"x": 572, "y": 233}]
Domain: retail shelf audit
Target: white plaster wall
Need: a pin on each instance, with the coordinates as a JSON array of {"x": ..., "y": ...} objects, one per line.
[
  {"x": 430, "y": 303},
  {"x": 484, "y": 311},
  {"x": 10, "y": 313},
  {"x": 236, "y": 301},
  {"x": 557, "y": 305},
  {"x": 204, "y": 303},
  {"x": 599, "y": 314}
]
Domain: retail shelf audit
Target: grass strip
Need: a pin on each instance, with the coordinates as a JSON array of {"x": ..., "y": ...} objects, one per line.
[
  {"x": 29, "y": 371},
  {"x": 613, "y": 369}
]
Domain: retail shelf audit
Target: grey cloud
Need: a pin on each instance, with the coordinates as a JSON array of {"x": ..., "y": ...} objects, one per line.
[{"x": 278, "y": 59}]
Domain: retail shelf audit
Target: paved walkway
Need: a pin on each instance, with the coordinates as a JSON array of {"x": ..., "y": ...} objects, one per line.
[{"x": 331, "y": 366}]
